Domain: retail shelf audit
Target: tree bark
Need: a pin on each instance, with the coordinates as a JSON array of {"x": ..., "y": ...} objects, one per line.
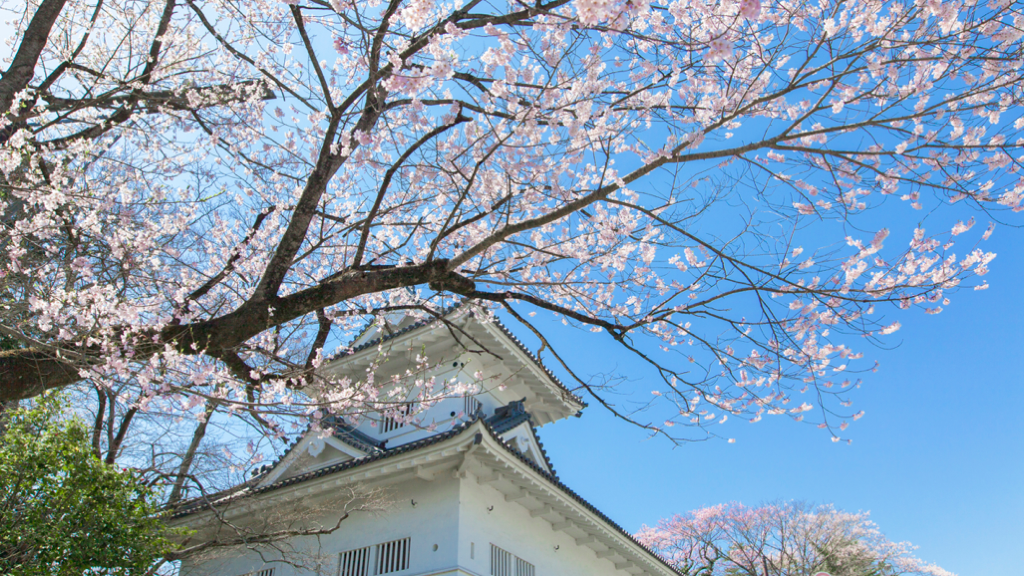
[
  {"x": 22, "y": 68},
  {"x": 190, "y": 454},
  {"x": 28, "y": 372}
]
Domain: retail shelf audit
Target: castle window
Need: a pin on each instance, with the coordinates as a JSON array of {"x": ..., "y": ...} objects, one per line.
[
  {"x": 392, "y": 556},
  {"x": 383, "y": 558},
  {"x": 504, "y": 563},
  {"x": 501, "y": 562},
  {"x": 524, "y": 568},
  {"x": 354, "y": 562},
  {"x": 470, "y": 405},
  {"x": 388, "y": 423}
]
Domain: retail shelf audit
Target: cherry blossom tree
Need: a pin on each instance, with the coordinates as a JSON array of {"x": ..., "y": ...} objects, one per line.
[
  {"x": 202, "y": 200},
  {"x": 784, "y": 539}
]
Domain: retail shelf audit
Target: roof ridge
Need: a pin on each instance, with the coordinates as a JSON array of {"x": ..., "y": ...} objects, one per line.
[{"x": 350, "y": 350}]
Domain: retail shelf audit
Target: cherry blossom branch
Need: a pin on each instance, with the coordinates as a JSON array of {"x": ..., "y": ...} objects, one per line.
[{"x": 23, "y": 65}]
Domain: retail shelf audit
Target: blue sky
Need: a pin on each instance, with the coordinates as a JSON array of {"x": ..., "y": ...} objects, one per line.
[{"x": 938, "y": 459}]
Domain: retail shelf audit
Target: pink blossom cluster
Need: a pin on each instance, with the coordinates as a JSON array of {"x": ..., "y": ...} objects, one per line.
[
  {"x": 682, "y": 181},
  {"x": 786, "y": 538}
]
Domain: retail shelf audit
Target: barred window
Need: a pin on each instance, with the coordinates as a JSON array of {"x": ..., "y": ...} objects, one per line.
[
  {"x": 388, "y": 423},
  {"x": 354, "y": 562},
  {"x": 523, "y": 568},
  {"x": 383, "y": 558},
  {"x": 470, "y": 405},
  {"x": 392, "y": 556},
  {"x": 501, "y": 562},
  {"x": 504, "y": 563}
]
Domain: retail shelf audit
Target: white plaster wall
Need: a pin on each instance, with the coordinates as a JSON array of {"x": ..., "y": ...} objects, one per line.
[
  {"x": 505, "y": 386},
  {"x": 510, "y": 527},
  {"x": 438, "y": 415},
  {"x": 434, "y": 520},
  {"x": 450, "y": 513}
]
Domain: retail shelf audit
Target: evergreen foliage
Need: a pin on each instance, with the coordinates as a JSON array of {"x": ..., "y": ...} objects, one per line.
[{"x": 62, "y": 510}]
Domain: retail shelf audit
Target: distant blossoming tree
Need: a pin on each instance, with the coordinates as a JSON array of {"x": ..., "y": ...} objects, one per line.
[
  {"x": 202, "y": 199},
  {"x": 787, "y": 539}
]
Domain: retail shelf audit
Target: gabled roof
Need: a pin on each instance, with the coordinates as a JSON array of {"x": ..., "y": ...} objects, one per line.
[
  {"x": 479, "y": 424},
  {"x": 343, "y": 432},
  {"x": 452, "y": 313},
  {"x": 504, "y": 419},
  {"x": 512, "y": 415}
]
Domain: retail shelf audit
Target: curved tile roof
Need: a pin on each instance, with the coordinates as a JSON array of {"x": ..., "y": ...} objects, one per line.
[{"x": 249, "y": 489}]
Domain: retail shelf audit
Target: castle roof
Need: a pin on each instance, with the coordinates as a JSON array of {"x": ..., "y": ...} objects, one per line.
[
  {"x": 549, "y": 399},
  {"x": 494, "y": 461}
]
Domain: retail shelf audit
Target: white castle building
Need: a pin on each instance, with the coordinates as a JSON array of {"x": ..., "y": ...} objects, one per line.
[{"x": 477, "y": 496}]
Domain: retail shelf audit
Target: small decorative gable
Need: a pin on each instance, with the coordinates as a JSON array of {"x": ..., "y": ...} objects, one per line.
[
  {"x": 313, "y": 452},
  {"x": 514, "y": 425}
]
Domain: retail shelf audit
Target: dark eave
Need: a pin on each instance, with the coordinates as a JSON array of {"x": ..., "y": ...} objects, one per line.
[{"x": 359, "y": 440}]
